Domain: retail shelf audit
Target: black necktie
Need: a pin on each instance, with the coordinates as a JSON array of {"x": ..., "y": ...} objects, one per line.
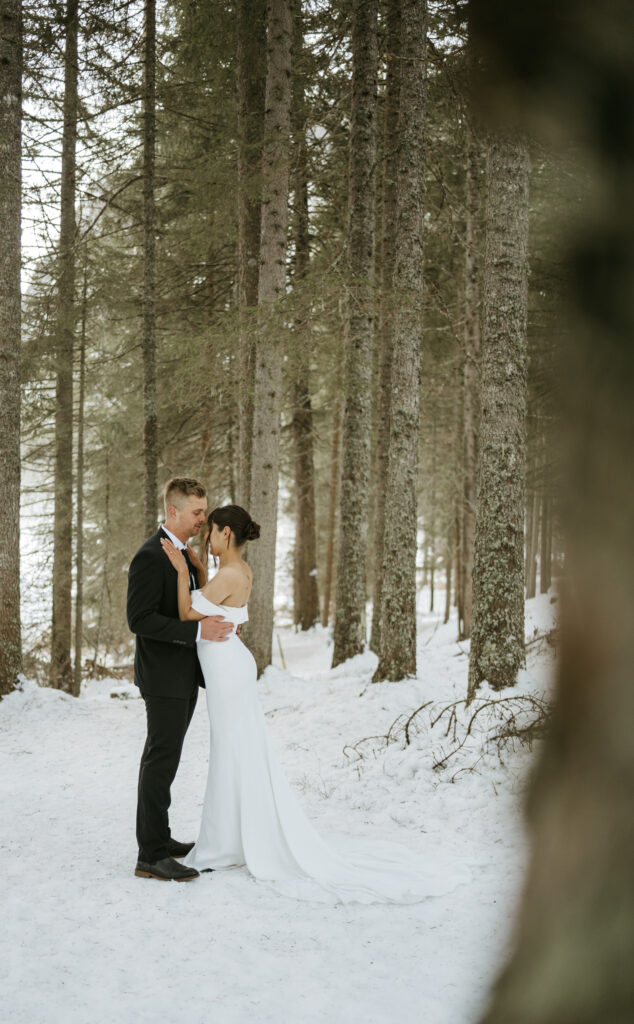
[{"x": 193, "y": 582}]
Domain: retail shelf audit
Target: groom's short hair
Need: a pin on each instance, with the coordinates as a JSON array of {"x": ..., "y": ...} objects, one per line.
[{"x": 180, "y": 487}]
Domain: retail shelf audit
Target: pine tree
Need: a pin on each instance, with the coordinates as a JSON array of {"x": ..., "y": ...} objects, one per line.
[
  {"x": 251, "y": 81},
  {"x": 497, "y": 638},
  {"x": 61, "y": 671},
  {"x": 305, "y": 592},
  {"x": 268, "y": 360},
  {"x": 387, "y": 298},
  {"x": 10, "y": 338},
  {"x": 470, "y": 380},
  {"x": 350, "y": 626},
  {"x": 150, "y": 416},
  {"x": 397, "y": 652}
]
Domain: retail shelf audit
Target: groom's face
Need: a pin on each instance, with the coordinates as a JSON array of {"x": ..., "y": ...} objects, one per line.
[{"x": 192, "y": 516}]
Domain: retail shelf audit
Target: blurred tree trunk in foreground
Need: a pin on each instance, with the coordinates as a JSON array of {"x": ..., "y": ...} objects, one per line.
[
  {"x": 568, "y": 68},
  {"x": 10, "y": 338},
  {"x": 61, "y": 675}
]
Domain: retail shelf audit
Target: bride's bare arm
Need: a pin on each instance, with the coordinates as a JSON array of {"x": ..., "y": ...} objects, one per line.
[{"x": 185, "y": 611}]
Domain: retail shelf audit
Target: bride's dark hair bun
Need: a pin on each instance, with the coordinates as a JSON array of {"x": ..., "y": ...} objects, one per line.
[
  {"x": 238, "y": 520},
  {"x": 252, "y": 530}
]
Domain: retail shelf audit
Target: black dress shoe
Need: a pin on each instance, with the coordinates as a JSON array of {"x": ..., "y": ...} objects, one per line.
[
  {"x": 167, "y": 870},
  {"x": 176, "y": 849}
]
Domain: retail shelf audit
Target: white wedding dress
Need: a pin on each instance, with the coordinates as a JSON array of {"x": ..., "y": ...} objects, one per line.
[{"x": 251, "y": 815}]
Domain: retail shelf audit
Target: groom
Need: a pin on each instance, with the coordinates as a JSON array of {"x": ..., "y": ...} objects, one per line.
[{"x": 167, "y": 672}]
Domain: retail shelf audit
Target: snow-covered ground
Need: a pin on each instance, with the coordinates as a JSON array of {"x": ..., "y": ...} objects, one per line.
[{"x": 83, "y": 940}]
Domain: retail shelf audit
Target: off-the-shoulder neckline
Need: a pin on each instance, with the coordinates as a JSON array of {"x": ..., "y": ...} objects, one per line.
[{"x": 234, "y": 607}]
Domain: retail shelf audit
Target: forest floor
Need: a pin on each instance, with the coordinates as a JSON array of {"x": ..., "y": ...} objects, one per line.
[{"x": 83, "y": 940}]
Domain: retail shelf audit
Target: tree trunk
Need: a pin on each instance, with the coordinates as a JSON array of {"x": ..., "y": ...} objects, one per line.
[
  {"x": 150, "y": 422},
  {"x": 61, "y": 675},
  {"x": 545, "y": 558},
  {"x": 268, "y": 362},
  {"x": 251, "y": 81},
  {"x": 431, "y": 533},
  {"x": 397, "y": 656},
  {"x": 497, "y": 640},
  {"x": 449, "y": 558},
  {"x": 333, "y": 504},
  {"x": 470, "y": 386},
  {"x": 306, "y": 596},
  {"x": 350, "y": 625},
  {"x": 10, "y": 339},
  {"x": 105, "y": 536},
  {"x": 574, "y": 943},
  {"x": 79, "y": 560},
  {"x": 532, "y": 538},
  {"x": 388, "y": 250}
]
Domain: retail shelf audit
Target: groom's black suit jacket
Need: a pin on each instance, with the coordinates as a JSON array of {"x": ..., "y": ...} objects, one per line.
[{"x": 165, "y": 663}]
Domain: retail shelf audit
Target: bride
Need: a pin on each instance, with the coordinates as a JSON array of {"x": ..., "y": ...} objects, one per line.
[{"x": 250, "y": 814}]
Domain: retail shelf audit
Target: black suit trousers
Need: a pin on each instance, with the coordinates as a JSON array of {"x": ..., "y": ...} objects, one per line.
[{"x": 168, "y": 719}]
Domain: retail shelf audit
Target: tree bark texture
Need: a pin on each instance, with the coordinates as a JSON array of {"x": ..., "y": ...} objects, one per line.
[
  {"x": 470, "y": 386},
  {"x": 333, "y": 505},
  {"x": 574, "y": 943},
  {"x": 306, "y": 595},
  {"x": 388, "y": 250},
  {"x": 268, "y": 362},
  {"x": 251, "y": 83},
  {"x": 79, "y": 559},
  {"x": 497, "y": 638},
  {"x": 61, "y": 675},
  {"x": 532, "y": 540},
  {"x": 350, "y": 624},
  {"x": 397, "y": 654},
  {"x": 150, "y": 419},
  {"x": 546, "y": 552},
  {"x": 10, "y": 338}
]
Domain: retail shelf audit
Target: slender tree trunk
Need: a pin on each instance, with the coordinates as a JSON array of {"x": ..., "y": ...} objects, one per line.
[
  {"x": 397, "y": 656},
  {"x": 333, "y": 504},
  {"x": 251, "y": 82},
  {"x": 432, "y": 576},
  {"x": 61, "y": 675},
  {"x": 268, "y": 362},
  {"x": 574, "y": 942},
  {"x": 105, "y": 590},
  {"x": 532, "y": 538},
  {"x": 10, "y": 339},
  {"x": 350, "y": 625},
  {"x": 497, "y": 639},
  {"x": 470, "y": 386},
  {"x": 431, "y": 543},
  {"x": 449, "y": 559},
  {"x": 306, "y": 602},
  {"x": 545, "y": 559},
  {"x": 79, "y": 576},
  {"x": 388, "y": 251},
  {"x": 150, "y": 421}
]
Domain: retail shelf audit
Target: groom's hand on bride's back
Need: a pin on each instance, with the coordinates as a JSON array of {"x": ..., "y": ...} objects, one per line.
[{"x": 214, "y": 627}]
